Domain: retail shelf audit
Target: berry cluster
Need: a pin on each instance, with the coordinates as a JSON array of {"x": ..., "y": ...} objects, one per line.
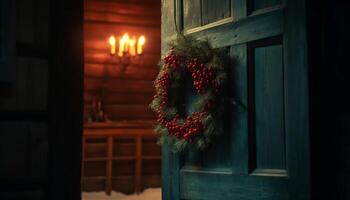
[
  {"x": 190, "y": 129},
  {"x": 194, "y": 125},
  {"x": 163, "y": 82},
  {"x": 160, "y": 117},
  {"x": 174, "y": 127},
  {"x": 173, "y": 60},
  {"x": 202, "y": 75}
]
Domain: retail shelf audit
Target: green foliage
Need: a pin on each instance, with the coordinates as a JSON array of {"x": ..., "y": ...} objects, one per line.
[
  {"x": 154, "y": 104},
  {"x": 212, "y": 58}
]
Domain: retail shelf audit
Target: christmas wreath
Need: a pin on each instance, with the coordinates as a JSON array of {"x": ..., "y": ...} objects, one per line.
[{"x": 207, "y": 68}]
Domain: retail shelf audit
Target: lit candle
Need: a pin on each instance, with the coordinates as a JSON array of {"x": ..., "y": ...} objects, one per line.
[
  {"x": 121, "y": 47},
  {"x": 112, "y": 43},
  {"x": 126, "y": 42},
  {"x": 140, "y": 43},
  {"x": 132, "y": 47},
  {"x": 123, "y": 44}
]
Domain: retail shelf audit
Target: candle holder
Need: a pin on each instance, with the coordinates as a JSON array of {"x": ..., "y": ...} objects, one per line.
[
  {"x": 126, "y": 60},
  {"x": 129, "y": 53}
]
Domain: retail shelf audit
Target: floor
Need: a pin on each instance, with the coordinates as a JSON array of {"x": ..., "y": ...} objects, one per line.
[{"x": 148, "y": 194}]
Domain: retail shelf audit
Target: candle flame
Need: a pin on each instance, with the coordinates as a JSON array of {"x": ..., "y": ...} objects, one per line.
[
  {"x": 125, "y": 40},
  {"x": 125, "y": 37},
  {"x": 112, "y": 40},
  {"x": 112, "y": 43},
  {"x": 141, "y": 41},
  {"x": 123, "y": 45},
  {"x": 127, "y": 45},
  {"x": 132, "y": 43}
]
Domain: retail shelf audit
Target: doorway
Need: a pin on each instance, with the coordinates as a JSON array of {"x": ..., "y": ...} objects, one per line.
[{"x": 121, "y": 158}]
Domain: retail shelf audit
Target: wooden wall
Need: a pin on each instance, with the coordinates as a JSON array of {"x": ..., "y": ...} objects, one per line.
[
  {"x": 23, "y": 106},
  {"x": 127, "y": 94}
]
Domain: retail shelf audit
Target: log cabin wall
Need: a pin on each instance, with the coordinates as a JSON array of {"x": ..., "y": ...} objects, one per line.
[
  {"x": 23, "y": 106},
  {"x": 130, "y": 158},
  {"x": 126, "y": 94}
]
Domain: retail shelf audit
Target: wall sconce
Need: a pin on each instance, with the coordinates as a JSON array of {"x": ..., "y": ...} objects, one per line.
[{"x": 130, "y": 50}]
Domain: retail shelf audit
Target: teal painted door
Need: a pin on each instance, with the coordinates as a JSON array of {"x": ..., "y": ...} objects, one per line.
[{"x": 264, "y": 152}]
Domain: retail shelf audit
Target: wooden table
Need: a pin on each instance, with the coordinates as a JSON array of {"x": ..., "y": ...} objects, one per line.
[{"x": 121, "y": 156}]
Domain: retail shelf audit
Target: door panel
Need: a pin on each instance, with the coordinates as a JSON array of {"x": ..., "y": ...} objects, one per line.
[
  {"x": 267, "y": 97},
  {"x": 192, "y": 14},
  {"x": 213, "y": 11},
  {"x": 263, "y": 151},
  {"x": 260, "y": 4}
]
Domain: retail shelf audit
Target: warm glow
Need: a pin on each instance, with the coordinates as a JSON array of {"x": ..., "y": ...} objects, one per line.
[
  {"x": 112, "y": 43},
  {"x": 132, "y": 48},
  {"x": 112, "y": 40},
  {"x": 140, "y": 44},
  {"x": 125, "y": 37},
  {"x": 126, "y": 42},
  {"x": 123, "y": 44}
]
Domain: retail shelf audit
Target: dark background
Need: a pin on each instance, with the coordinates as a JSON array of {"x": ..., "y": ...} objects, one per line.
[{"x": 329, "y": 98}]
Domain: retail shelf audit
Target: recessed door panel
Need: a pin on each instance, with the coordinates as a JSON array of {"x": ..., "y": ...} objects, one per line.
[
  {"x": 267, "y": 139},
  {"x": 192, "y": 13},
  {"x": 214, "y": 11},
  {"x": 260, "y": 4}
]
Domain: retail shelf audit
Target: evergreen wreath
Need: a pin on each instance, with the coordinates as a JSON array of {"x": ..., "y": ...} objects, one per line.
[{"x": 207, "y": 67}]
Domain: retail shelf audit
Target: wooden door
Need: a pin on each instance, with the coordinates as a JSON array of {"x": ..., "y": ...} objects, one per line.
[{"x": 264, "y": 153}]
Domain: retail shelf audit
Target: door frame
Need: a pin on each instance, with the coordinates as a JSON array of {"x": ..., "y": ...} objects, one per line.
[{"x": 65, "y": 99}]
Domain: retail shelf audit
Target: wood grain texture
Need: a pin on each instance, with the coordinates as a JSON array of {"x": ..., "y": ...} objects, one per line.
[
  {"x": 190, "y": 176},
  {"x": 121, "y": 7},
  {"x": 297, "y": 109},
  {"x": 123, "y": 86},
  {"x": 170, "y": 162},
  {"x": 192, "y": 14},
  {"x": 124, "y": 112},
  {"x": 119, "y": 98},
  {"x": 167, "y": 19},
  {"x": 92, "y": 27},
  {"x": 239, "y": 120},
  {"x": 260, "y": 4},
  {"x": 98, "y": 56},
  {"x": 138, "y": 167},
  {"x": 213, "y": 11},
  {"x": 110, "y": 71},
  {"x": 252, "y": 28},
  {"x": 123, "y": 171},
  {"x": 194, "y": 184},
  {"x": 138, "y": 20},
  {"x": 109, "y": 165},
  {"x": 127, "y": 91},
  {"x": 269, "y": 107}
]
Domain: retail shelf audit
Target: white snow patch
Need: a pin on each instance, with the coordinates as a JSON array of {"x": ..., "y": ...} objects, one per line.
[{"x": 148, "y": 194}]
